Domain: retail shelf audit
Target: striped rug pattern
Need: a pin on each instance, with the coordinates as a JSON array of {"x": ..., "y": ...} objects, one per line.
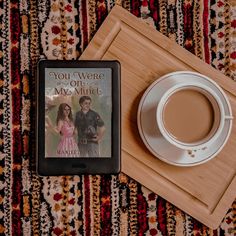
[{"x": 91, "y": 205}]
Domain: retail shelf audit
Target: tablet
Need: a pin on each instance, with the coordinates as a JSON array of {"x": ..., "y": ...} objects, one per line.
[{"x": 78, "y": 117}]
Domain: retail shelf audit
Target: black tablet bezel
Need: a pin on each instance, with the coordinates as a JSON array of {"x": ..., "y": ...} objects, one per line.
[{"x": 82, "y": 165}]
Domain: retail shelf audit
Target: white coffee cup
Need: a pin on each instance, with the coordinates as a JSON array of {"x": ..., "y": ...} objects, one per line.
[{"x": 219, "y": 115}]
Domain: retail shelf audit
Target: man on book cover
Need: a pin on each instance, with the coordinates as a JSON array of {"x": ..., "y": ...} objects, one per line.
[{"x": 90, "y": 127}]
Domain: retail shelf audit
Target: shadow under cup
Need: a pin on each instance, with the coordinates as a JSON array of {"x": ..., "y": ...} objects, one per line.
[{"x": 190, "y": 117}]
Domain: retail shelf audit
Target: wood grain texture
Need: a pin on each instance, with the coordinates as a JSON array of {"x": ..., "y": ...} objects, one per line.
[{"x": 206, "y": 191}]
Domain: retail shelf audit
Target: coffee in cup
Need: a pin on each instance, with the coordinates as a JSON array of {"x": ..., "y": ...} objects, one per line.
[{"x": 190, "y": 116}]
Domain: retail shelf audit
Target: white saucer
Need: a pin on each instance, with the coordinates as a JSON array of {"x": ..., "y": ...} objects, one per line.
[{"x": 151, "y": 135}]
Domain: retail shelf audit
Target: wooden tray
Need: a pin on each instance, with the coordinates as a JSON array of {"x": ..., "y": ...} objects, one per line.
[{"x": 205, "y": 192}]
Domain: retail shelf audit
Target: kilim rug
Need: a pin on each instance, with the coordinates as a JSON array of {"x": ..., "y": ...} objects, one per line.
[{"x": 91, "y": 205}]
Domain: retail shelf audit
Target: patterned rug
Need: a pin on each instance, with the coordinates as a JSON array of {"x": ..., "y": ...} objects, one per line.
[{"x": 91, "y": 205}]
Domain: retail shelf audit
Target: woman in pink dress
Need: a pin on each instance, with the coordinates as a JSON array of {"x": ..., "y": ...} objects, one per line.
[{"x": 67, "y": 146}]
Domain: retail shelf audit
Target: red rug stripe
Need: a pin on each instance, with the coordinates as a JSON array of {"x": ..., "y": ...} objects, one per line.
[
  {"x": 206, "y": 31},
  {"x": 105, "y": 206},
  {"x": 87, "y": 205},
  {"x": 17, "y": 152},
  {"x": 215, "y": 232},
  {"x": 16, "y": 202},
  {"x": 153, "y": 10},
  {"x": 142, "y": 214},
  {"x": 161, "y": 215},
  {"x": 15, "y": 32},
  {"x": 84, "y": 24},
  {"x": 16, "y": 107},
  {"x": 15, "y": 62},
  {"x": 101, "y": 11},
  {"x": 135, "y": 8},
  {"x": 188, "y": 26},
  {"x": 15, "y": 24},
  {"x": 197, "y": 228}
]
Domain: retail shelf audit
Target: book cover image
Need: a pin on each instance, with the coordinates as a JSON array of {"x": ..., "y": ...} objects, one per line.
[{"x": 78, "y": 112}]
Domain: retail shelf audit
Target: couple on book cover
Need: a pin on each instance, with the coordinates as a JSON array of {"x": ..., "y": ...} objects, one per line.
[{"x": 88, "y": 125}]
